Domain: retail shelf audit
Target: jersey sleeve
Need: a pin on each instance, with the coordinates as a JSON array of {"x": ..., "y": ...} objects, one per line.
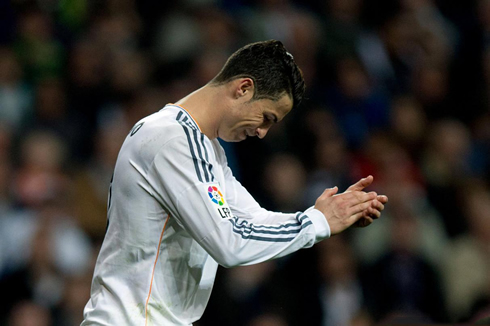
[
  {"x": 229, "y": 225},
  {"x": 245, "y": 207}
]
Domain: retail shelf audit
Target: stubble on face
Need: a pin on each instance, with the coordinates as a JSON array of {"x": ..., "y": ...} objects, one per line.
[{"x": 254, "y": 116}]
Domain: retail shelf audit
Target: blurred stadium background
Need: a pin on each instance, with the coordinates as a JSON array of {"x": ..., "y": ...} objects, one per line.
[{"x": 397, "y": 89}]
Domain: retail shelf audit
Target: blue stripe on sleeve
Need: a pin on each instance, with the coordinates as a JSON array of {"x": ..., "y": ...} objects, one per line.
[
  {"x": 201, "y": 151},
  {"x": 194, "y": 158},
  {"x": 210, "y": 166},
  {"x": 203, "y": 162},
  {"x": 274, "y": 233},
  {"x": 245, "y": 235}
]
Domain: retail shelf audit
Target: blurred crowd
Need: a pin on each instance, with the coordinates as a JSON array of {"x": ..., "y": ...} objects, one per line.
[{"x": 396, "y": 89}]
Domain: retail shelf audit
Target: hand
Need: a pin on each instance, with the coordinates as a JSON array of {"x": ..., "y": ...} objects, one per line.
[
  {"x": 354, "y": 206},
  {"x": 374, "y": 211}
]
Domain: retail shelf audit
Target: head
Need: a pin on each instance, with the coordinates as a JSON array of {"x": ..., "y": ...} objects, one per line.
[{"x": 265, "y": 84}]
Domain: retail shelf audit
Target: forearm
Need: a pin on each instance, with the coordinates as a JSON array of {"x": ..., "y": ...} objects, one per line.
[{"x": 252, "y": 237}]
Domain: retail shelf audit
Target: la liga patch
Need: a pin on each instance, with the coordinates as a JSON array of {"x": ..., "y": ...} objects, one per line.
[{"x": 216, "y": 196}]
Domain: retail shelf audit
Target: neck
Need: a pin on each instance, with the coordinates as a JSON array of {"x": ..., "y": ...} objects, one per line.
[{"x": 204, "y": 106}]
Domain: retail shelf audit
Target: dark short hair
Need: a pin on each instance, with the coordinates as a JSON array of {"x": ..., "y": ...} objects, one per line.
[{"x": 270, "y": 66}]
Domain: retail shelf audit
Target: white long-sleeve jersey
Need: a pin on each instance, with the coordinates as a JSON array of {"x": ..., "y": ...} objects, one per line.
[{"x": 175, "y": 212}]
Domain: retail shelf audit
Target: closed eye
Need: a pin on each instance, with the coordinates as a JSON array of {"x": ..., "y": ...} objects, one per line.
[{"x": 269, "y": 119}]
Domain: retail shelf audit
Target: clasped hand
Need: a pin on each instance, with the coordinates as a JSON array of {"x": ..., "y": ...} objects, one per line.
[{"x": 352, "y": 207}]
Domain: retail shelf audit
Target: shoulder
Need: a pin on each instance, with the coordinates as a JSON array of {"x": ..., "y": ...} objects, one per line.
[
  {"x": 151, "y": 135},
  {"x": 156, "y": 128}
]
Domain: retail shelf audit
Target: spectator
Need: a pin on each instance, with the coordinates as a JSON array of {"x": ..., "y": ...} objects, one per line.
[
  {"x": 409, "y": 125},
  {"x": 467, "y": 266},
  {"x": 91, "y": 182},
  {"x": 40, "y": 53},
  {"x": 358, "y": 106},
  {"x": 15, "y": 95},
  {"x": 29, "y": 314},
  {"x": 405, "y": 282},
  {"x": 284, "y": 183},
  {"x": 445, "y": 164},
  {"x": 341, "y": 293}
]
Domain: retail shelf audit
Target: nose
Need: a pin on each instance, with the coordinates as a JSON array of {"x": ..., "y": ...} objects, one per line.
[{"x": 261, "y": 132}]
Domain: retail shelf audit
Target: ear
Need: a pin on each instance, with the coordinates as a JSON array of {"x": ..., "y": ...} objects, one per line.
[{"x": 244, "y": 88}]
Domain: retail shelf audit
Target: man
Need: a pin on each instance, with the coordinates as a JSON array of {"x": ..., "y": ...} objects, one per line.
[{"x": 175, "y": 211}]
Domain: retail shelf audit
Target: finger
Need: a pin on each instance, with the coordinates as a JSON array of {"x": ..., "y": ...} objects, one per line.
[
  {"x": 376, "y": 204},
  {"x": 360, "y": 220},
  {"x": 363, "y": 222},
  {"x": 361, "y": 184},
  {"x": 372, "y": 195},
  {"x": 330, "y": 192},
  {"x": 383, "y": 199},
  {"x": 357, "y": 197},
  {"x": 359, "y": 208},
  {"x": 373, "y": 213}
]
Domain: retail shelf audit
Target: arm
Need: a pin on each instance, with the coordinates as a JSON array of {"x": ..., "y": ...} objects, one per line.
[
  {"x": 353, "y": 207},
  {"x": 232, "y": 234},
  {"x": 244, "y": 207}
]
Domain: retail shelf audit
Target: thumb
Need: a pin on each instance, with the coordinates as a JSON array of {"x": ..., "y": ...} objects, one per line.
[
  {"x": 361, "y": 184},
  {"x": 330, "y": 192}
]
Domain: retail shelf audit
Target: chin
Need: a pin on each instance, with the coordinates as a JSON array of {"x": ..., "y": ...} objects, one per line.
[
  {"x": 235, "y": 140},
  {"x": 238, "y": 139},
  {"x": 233, "y": 137},
  {"x": 231, "y": 140}
]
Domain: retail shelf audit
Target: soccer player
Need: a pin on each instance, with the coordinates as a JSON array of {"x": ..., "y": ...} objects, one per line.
[{"x": 175, "y": 211}]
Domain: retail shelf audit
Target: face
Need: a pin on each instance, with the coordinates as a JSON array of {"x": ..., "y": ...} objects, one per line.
[{"x": 254, "y": 118}]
